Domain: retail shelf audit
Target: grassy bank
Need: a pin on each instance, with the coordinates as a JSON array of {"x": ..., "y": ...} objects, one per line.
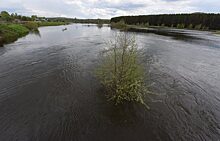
[{"x": 11, "y": 32}]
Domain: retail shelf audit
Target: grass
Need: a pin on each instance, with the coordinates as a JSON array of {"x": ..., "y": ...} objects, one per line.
[
  {"x": 11, "y": 32},
  {"x": 120, "y": 73}
]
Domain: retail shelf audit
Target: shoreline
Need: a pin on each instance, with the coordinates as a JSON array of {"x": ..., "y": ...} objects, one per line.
[
  {"x": 11, "y": 32},
  {"x": 157, "y": 29}
]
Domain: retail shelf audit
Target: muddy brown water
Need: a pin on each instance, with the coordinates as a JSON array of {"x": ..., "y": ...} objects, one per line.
[{"x": 48, "y": 90}]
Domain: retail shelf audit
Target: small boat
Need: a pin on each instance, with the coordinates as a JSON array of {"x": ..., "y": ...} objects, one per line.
[{"x": 64, "y": 29}]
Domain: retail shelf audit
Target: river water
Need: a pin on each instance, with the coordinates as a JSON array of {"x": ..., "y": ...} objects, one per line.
[{"x": 48, "y": 90}]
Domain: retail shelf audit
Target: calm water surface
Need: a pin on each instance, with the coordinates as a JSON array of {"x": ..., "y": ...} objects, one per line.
[{"x": 48, "y": 90}]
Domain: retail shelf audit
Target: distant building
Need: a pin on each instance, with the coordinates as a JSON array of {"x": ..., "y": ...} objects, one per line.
[{"x": 37, "y": 19}]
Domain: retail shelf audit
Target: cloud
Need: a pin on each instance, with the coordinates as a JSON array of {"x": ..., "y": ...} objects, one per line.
[{"x": 106, "y": 8}]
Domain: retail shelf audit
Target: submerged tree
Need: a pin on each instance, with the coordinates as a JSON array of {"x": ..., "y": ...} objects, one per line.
[{"x": 120, "y": 72}]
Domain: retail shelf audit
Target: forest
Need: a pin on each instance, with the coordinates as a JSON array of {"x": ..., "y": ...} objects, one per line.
[{"x": 194, "y": 20}]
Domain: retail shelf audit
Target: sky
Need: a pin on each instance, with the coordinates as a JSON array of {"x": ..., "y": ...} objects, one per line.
[{"x": 106, "y": 8}]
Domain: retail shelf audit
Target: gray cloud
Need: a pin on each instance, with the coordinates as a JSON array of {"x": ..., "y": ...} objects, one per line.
[{"x": 106, "y": 8}]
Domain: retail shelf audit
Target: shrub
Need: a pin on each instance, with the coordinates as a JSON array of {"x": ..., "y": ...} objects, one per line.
[
  {"x": 147, "y": 25},
  {"x": 119, "y": 25},
  {"x": 180, "y": 26},
  {"x": 190, "y": 26},
  {"x": 197, "y": 27},
  {"x": 5, "y": 16},
  {"x": 31, "y": 25},
  {"x": 120, "y": 73}
]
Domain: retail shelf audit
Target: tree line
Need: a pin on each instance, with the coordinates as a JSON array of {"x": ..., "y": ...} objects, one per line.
[
  {"x": 5, "y": 16},
  {"x": 75, "y": 20},
  {"x": 195, "y": 20}
]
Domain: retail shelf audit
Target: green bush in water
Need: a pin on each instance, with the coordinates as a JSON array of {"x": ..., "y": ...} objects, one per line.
[
  {"x": 120, "y": 72},
  {"x": 119, "y": 25}
]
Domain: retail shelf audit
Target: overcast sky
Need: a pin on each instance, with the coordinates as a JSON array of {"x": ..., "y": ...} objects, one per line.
[{"x": 107, "y": 8}]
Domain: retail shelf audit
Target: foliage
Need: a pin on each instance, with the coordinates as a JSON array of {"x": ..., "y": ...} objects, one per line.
[
  {"x": 120, "y": 25},
  {"x": 31, "y": 25},
  {"x": 11, "y": 32},
  {"x": 33, "y": 17},
  {"x": 199, "y": 26},
  {"x": 147, "y": 25},
  {"x": 5, "y": 16},
  {"x": 190, "y": 26},
  {"x": 163, "y": 25},
  {"x": 25, "y": 18},
  {"x": 143, "y": 25},
  {"x": 75, "y": 20},
  {"x": 120, "y": 73},
  {"x": 19, "y": 29},
  {"x": 208, "y": 20},
  {"x": 180, "y": 26}
]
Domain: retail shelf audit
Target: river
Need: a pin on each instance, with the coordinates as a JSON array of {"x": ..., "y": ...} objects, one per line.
[{"x": 48, "y": 90}]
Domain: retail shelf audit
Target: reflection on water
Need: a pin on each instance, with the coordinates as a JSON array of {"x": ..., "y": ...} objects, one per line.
[
  {"x": 36, "y": 32},
  {"x": 48, "y": 91},
  {"x": 174, "y": 33}
]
